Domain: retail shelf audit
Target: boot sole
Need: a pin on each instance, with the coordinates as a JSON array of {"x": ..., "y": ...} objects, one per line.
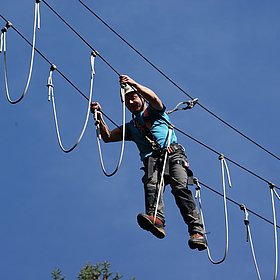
[
  {"x": 148, "y": 225},
  {"x": 197, "y": 245}
]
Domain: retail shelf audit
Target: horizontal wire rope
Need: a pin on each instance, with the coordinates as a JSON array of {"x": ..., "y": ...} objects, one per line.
[
  {"x": 77, "y": 33},
  {"x": 175, "y": 128},
  {"x": 238, "y": 204},
  {"x": 4, "y": 32},
  {"x": 179, "y": 130},
  {"x": 176, "y": 85}
]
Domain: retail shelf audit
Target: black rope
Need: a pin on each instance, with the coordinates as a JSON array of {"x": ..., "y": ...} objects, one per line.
[
  {"x": 68, "y": 25},
  {"x": 238, "y": 204},
  {"x": 177, "y": 86},
  {"x": 216, "y": 152}
]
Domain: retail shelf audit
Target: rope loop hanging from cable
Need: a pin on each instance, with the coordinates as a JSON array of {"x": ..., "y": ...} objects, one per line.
[
  {"x": 249, "y": 238},
  {"x": 272, "y": 193},
  {"x": 198, "y": 196},
  {"x": 98, "y": 136},
  {"x": 52, "y": 98},
  {"x": 3, "y": 47}
]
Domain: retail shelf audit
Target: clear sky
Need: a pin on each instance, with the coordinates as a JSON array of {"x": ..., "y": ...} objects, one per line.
[{"x": 59, "y": 210}]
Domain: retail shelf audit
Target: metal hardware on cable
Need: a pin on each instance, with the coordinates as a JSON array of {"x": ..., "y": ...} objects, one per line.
[
  {"x": 161, "y": 184},
  {"x": 52, "y": 98},
  {"x": 98, "y": 137},
  {"x": 249, "y": 238},
  {"x": 3, "y": 42},
  {"x": 190, "y": 104},
  {"x": 272, "y": 193}
]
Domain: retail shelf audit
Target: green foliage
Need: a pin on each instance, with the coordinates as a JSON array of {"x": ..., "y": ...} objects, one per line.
[
  {"x": 99, "y": 271},
  {"x": 56, "y": 274}
]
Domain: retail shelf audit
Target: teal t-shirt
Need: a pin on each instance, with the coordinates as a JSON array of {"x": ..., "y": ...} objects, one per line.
[{"x": 158, "y": 128}]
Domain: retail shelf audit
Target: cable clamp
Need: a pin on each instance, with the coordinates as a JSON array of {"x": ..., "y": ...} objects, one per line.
[
  {"x": 94, "y": 53},
  {"x": 190, "y": 104},
  {"x": 221, "y": 157},
  {"x": 6, "y": 27},
  {"x": 225, "y": 168},
  {"x": 53, "y": 67},
  {"x": 246, "y": 220}
]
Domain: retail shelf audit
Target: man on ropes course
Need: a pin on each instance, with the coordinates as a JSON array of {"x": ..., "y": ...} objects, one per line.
[{"x": 162, "y": 157}]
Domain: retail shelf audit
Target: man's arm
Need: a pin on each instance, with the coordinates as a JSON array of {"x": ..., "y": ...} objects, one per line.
[
  {"x": 107, "y": 135},
  {"x": 147, "y": 93}
]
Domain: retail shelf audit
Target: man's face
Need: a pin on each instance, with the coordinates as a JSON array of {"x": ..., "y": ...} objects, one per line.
[{"x": 133, "y": 102}]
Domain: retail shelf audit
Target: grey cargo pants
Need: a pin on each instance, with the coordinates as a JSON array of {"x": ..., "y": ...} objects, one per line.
[{"x": 176, "y": 175}]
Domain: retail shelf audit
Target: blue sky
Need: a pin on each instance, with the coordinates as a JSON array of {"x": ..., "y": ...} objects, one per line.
[{"x": 59, "y": 210}]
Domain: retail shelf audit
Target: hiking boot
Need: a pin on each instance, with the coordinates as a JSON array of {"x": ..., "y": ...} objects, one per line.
[
  {"x": 198, "y": 241},
  {"x": 147, "y": 222}
]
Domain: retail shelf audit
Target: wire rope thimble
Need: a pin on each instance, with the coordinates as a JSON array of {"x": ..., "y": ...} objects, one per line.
[{"x": 50, "y": 82}]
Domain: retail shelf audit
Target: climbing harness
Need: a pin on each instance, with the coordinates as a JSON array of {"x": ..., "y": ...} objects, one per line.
[
  {"x": 190, "y": 104},
  {"x": 98, "y": 136},
  {"x": 272, "y": 193},
  {"x": 145, "y": 131},
  {"x": 198, "y": 196},
  {"x": 4, "y": 48},
  {"x": 161, "y": 184},
  {"x": 249, "y": 238},
  {"x": 52, "y": 98}
]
